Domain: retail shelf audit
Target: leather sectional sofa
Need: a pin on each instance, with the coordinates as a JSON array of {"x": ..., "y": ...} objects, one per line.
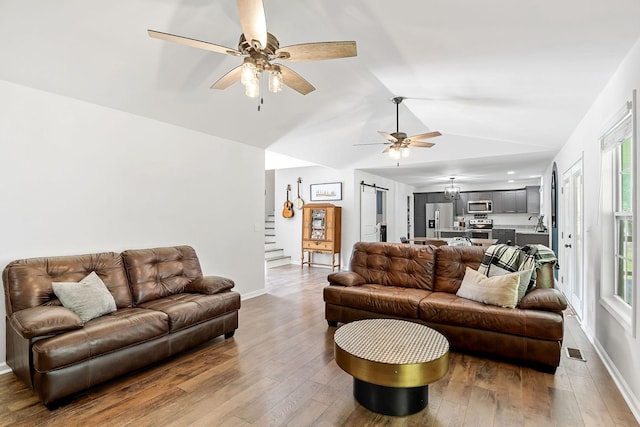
[
  {"x": 163, "y": 305},
  {"x": 419, "y": 283}
]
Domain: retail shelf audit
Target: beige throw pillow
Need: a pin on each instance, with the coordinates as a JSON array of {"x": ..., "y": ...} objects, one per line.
[
  {"x": 88, "y": 298},
  {"x": 525, "y": 277},
  {"x": 498, "y": 290}
]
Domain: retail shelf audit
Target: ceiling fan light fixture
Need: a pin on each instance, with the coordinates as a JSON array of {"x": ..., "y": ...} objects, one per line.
[
  {"x": 394, "y": 153},
  {"x": 404, "y": 152},
  {"x": 252, "y": 88},
  {"x": 275, "y": 80},
  {"x": 452, "y": 192},
  {"x": 249, "y": 71}
]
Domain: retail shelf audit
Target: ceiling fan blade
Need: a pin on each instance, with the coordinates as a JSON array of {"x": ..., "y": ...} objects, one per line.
[
  {"x": 387, "y": 150},
  {"x": 253, "y": 21},
  {"x": 420, "y": 144},
  {"x": 295, "y": 81},
  {"x": 317, "y": 51},
  {"x": 193, "y": 43},
  {"x": 374, "y": 143},
  {"x": 228, "y": 79},
  {"x": 424, "y": 136},
  {"x": 390, "y": 137}
]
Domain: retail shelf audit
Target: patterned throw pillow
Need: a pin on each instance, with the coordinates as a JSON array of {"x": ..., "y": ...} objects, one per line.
[
  {"x": 88, "y": 298},
  {"x": 498, "y": 290}
]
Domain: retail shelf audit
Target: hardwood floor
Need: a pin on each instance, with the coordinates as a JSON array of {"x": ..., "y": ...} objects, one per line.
[{"x": 279, "y": 370}]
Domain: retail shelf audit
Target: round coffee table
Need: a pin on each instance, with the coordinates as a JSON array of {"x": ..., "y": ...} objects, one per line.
[{"x": 392, "y": 363}]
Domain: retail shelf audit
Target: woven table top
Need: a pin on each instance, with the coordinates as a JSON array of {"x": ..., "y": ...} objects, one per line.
[{"x": 391, "y": 341}]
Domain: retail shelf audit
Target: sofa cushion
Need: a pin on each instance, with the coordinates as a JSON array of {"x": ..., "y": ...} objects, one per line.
[
  {"x": 451, "y": 264},
  {"x": 387, "y": 300},
  {"x": 89, "y": 298},
  {"x": 160, "y": 272},
  {"x": 407, "y": 266},
  {"x": 187, "y": 309},
  {"x": 449, "y": 309},
  {"x": 113, "y": 332},
  {"x": 498, "y": 290},
  {"x": 28, "y": 281}
]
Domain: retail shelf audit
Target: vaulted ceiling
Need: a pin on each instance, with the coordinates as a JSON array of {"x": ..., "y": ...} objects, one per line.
[{"x": 504, "y": 81}]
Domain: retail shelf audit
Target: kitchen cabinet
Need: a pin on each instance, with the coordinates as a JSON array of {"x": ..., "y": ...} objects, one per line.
[
  {"x": 510, "y": 201},
  {"x": 533, "y": 199},
  {"x": 321, "y": 233},
  {"x": 437, "y": 198},
  {"x": 480, "y": 195},
  {"x": 461, "y": 204},
  {"x": 504, "y": 235},
  {"x": 419, "y": 215},
  {"x": 523, "y": 239}
]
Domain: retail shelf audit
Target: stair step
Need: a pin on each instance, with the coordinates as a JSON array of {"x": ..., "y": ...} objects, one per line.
[
  {"x": 273, "y": 253},
  {"x": 277, "y": 261}
]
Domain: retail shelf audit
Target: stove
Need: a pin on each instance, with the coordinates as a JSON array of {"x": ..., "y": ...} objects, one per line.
[{"x": 480, "y": 223}]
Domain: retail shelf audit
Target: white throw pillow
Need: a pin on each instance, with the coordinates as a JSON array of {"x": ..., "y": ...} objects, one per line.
[
  {"x": 88, "y": 298},
  {"x": 525, "y": 277},
  {"x": 498, "y": 290}
]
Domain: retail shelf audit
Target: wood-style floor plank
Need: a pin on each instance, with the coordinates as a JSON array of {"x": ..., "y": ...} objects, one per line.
[{"x": 279, "y": 370}]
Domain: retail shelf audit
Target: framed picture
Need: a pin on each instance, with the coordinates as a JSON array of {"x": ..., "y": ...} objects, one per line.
[{"x": 326, "y": 192}]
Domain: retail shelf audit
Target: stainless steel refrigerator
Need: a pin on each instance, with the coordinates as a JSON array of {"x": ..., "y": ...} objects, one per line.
[{"x": 439, "y": 216}]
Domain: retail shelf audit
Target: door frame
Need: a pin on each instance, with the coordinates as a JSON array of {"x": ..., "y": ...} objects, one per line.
[{"x": 572, "y": 236}]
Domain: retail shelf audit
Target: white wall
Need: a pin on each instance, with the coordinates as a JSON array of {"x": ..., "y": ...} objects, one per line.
[
  {"x": 79, "y": 178},
  {"x": 289, "y": 230},
  {"x": 619, "y": 349}
]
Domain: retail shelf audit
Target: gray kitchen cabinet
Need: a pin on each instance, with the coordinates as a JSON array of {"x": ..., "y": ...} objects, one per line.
[
  {"x": 504, "y": 235},
  {"x": 523, "y": 239},
  {"x": 437, "y": 198},
  {"x": 419, "y": 214},
  {"x": 510, "y": 201},
  {"x": 521, "y": 200},
  {"x": 461, "y": 204},
  {"x": 533, "y": 199}
]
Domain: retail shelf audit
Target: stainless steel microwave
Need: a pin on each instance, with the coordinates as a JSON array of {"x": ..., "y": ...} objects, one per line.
[{"x": 479, "y": 206}]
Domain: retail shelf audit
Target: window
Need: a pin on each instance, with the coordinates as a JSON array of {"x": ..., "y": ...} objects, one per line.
[
  {"x": 624, "y": 221},
  {"x": 617, "y": 213}
]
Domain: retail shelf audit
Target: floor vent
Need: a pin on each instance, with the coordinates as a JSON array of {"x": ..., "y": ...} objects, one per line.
[{"x": 575, "y": 354}]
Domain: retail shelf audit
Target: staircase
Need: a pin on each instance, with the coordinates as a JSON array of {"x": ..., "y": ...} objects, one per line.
[{"x": 273, "y": 256}]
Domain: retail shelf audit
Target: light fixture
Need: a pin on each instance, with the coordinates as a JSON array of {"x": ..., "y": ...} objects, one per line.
[
  {"x": 452, "y": 192},
  {"x": 275, "y": 79},
  {"x": 404, "y": 152},
  {"x": 395, "y": 152}
]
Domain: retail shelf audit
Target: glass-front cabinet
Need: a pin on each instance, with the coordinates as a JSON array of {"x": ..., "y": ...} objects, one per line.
[{"x": 321, "y": 229}]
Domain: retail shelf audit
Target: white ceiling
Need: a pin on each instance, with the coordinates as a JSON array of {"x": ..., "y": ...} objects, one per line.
[{"x": 504, "y": 81}]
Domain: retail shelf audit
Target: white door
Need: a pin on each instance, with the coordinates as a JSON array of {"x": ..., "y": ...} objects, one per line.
[
  {"x": 571, "y": 237},
  {"x": 368, "y": 231}
]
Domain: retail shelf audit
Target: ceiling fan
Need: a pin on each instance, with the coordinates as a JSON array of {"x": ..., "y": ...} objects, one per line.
[
  {"x": 399, "y": 142},
  {"x": 259, "y": 48}
]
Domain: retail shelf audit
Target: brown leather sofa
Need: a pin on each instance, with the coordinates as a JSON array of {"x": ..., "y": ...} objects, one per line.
[
  {"x": 419, "y": 283},
  {"x": 164, "y": 306}
]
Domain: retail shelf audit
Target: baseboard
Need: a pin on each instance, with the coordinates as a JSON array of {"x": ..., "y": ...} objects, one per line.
[
  {"x": 4, "y": 368},
  {"x": 253, "y": 294},
  {"x": 625, "y": 390}
]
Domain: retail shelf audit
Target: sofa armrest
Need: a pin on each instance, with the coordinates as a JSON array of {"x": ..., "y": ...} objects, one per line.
[
  {"x": 548, "y": 299},
  {"x": 44, "y": 320},
  {"x": 345, "y": 278},
  {"x": 210, "y": 285}
]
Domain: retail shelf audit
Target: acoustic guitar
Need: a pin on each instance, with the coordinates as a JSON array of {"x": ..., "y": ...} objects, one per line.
[
  {"x": 298, "y": 203},
  {"x": 287, "y": 212}
]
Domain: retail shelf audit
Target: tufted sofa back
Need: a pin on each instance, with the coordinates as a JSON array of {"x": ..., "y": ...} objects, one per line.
[
  {"x": 27, "y": 282},
  {"x": 160, "y": 272},
  {"x": 409, "y": 266}
]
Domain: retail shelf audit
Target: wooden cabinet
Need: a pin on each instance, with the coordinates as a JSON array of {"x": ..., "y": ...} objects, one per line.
[{"x": 321, "y": 233}]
